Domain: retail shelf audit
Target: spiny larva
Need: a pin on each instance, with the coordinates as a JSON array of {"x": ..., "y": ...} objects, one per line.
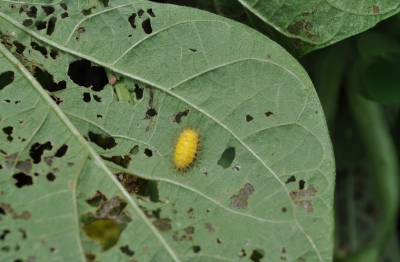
[{"x": 186, "y": 148}]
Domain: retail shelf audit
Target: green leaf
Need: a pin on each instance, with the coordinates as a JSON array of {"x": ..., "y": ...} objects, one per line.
[
  {"x": 83, "y": 163},
  {"x": 316, "y": 24}
]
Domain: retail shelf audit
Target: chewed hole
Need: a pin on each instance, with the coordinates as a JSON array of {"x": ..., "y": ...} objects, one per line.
[
  {"x": 81, "y": 72},
  {"x": 138, "y": 92},
  {"x": 36, "y": 151},
  {"x": 257, "y": 255},
  {"x": 61, "y": 151},
  {"x": 148, "y": 152},
  {"x": 192, "y": 49},
  {"x": 178, "y": 116},
  {"x": 22, "y": 180},
  {"x": 227, "y": 157},
  {"x": 196, "y": 249},
  {"x": 291, "y": 179},
  {"x": 6, "y": 78},
  {"x": 87, "y": 97},
  {"x": 8, "y": 131},
  {"x": 131, "y": 20},
  {"x": 150, "y": 12},
  {"x": 40, "y": 25},
  {"x": 51, "y": 26},
  {"x": 127, "y": 251},
  {"x": 46, "y": 80},
  {"x": 237, "y": 168},
  {"x": 249, "y": 118},
  {"x": 64, "y": 6},
  {"x": 51, "y": 177},
  {"x": 219, "y": 241},
  {"x": 103, "y": 142},
  {"x": 301, "y": 184},
  {"x": 151, "y": 113},
  {"x": 269, "y": 113},
  {"x": 48, "y": 10},
  {"x": 140, "y": 12},
  {"x": 27, "y": 22},
  {"x": 146, "y": 25},
  {"x": 97, "y": 98}
]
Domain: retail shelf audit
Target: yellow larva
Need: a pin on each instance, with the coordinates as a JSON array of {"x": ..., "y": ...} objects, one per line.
[{"x": 186, "y": 149}]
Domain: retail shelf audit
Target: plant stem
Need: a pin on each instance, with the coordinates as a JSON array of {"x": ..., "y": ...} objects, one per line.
[{"x": 380, "y": 150}]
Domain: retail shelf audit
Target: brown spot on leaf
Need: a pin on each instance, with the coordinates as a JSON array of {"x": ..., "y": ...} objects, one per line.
[
  {"x": 306, "y": 204},
  {"x": 240, "y": 201},
  {"x": 298, "y": 44},
  {"x": 48, "y": 160},
  {"x": 24, "y": 166},
  {"x": 10, "y": 160},
  {"x": 375, "y": 9},
  {"x": 130, "y": 183},
  {"x": 311, "y": 36},
  {"x": 9, "y": 210},
  {"x": 310, "y": 191},
  {"x": 112, "y": 80},
  {"x": 210, "y": 227},
  {"x": 163, "y": 224}
]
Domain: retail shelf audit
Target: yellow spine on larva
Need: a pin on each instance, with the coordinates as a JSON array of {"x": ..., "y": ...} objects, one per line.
[{"x": 186, "y": 148}]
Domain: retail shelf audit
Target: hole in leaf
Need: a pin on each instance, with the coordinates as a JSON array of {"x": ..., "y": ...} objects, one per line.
[
  {"x": 219, "y": 241},
  {"x": 40, "y": 25},
  {"x": 51, "y": 177},
  {"x": 56, "y": 99},
  {"x": 138, "y": 92},
  {"x": 88, "y": 11},
  {"x": 97, "y": 98},
  {"x": 122, "y": 161},
  {"x": 148, "y": 152},
  {"x": 36, "y": 151},
  {"x": 178, "y": 116},
  {"x": 6, "y": 78},
  {"x": 52, "y": 249},
  {"x": 257, "y": 255},
  {"x": 301, "y": 184},
  {"x": 127, "y": 251},
  {"x": 140, "y": 12},
  {"x": 64, "y": 6},
  {"x": 103, "y": 142},
  {"x": 146, "y": 25},
  {"x": 8, "y": 131},
  {"x": 227, "y": 157},
  {"x": 61, "y": 151},
  {"x": 99, "y": 116},
  {"x": 64, "y": 15},
  {"x": 51, "y": 26},
  {"x": 48, "y": 10},
  {"x": 22, "y": 180},
  {"x": 105, "y": 3},
  {"x": 39, "y": 48},
  {"x": 32, "y": 13},
  {"x": 27, "y": 22},
  {"x": 284, "y": 209},
  {"x": 81, "y": 72},
  {"x": 4, "y": 234},
  {"x": 47, "y": 81},
  {"x": 269, "y": 113},
  {"x": 54, "y": 53},
  {"x": 150, "y": 12},
  {"x": 249, "y": 118},
  {"x": 192, "y": 49},
  {"x": 20, "y": 48},
  {"x": 95, "y": 200},
  {"x": 12, "y": 7},
  {"x": 290, "y": 179},
  {"x": 131, "y": 20},
  {"x": 86, "y": 97},
  {"x": 150, "y": 113}
]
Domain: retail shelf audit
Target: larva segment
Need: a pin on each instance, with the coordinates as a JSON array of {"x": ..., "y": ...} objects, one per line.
[{"x": 186, "y": 148}]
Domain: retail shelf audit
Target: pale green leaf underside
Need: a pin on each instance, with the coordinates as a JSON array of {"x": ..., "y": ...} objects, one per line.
[
  {"x": 233, "y": 73},
  {"x": 322, "y": 22}
]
